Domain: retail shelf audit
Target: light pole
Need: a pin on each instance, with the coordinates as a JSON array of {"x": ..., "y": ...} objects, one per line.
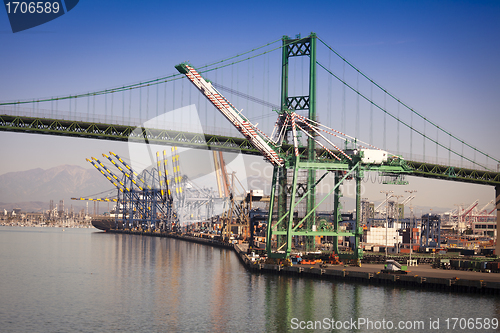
[
  {"x": 412, "y": 222},
  {"x": 397, "y": 210},
  {"x": 387, "y": 196}
]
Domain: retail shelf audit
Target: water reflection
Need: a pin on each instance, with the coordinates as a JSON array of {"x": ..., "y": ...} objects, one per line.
[
  {"x": 191, "y": 285},
  {"x": 92, "y": 281}
]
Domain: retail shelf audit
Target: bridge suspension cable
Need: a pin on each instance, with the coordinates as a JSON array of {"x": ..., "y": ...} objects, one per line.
[
  {"x": 410, "y": 126},
  {"x": 168, "y": 78}
]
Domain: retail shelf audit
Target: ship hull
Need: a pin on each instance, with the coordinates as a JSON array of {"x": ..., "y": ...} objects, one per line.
[{"x": 104, "y": 224}]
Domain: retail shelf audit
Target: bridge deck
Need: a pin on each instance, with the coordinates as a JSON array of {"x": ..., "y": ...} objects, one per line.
[{"x": 114, "y": 132}]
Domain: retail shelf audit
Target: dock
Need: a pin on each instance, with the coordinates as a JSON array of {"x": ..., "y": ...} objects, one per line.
[{"x": 421, "y": 277}]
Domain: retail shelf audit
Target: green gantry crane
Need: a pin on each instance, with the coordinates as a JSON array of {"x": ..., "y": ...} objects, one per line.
[{"x": 283, "y": 222}]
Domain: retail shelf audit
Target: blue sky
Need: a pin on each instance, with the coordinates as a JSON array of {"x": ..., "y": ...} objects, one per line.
[{"x": 441, "y": 58}]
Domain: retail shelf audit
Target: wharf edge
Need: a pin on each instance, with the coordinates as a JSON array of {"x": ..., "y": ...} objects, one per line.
[{"x": 458, "y": 283}]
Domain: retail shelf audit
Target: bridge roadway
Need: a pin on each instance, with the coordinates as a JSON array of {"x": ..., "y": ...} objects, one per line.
[{"x": 114, "y": 132}]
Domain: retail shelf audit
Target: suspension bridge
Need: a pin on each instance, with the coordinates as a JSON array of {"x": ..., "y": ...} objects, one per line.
[{"x": 304, "y": 75}]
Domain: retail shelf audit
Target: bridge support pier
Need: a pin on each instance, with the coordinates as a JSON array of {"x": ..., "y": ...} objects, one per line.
[{"x": 497, "y": 202}]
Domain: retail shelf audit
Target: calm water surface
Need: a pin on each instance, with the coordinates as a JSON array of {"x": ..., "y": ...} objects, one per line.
[{"x": 83, "y": 280}]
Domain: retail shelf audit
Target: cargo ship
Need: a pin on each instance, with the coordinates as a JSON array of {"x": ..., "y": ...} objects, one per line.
[{"x": 103, "y": 223}]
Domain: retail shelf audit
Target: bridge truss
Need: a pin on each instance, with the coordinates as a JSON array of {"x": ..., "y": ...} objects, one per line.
[{"x": 113, "y": 132}]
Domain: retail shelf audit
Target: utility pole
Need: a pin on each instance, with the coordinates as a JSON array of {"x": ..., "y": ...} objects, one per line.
[
  {"x": 387, "y": 196},
  {"x": 412, "y": 222}
]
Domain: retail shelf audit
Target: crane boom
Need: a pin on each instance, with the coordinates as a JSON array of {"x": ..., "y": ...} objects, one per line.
[
  {"x": 111, "y": 180},
  {"x": 405, "y": 201},
  {"x": 469, "y": 209},
  {"x": 177, "y": 174},
  {"x": 96, "y": 199},
  {"x": 484, "y": 208},
  {"x": 231, "y": 113},
  {"x": 123, "y": 171},
  {"x": 382, "y": 203},
  {"x": 128, "y": 167},
  {"x": 111, "y": 174}
]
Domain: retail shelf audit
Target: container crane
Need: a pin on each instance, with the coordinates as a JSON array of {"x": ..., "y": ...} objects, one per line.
[
  {"x": 165, "y": 192},
  {"x": 344, "y": 165},
  {"x": 136, "y": 201},
  {"x": 233, "y": 210},
  {"x": 145, "y": 204},
  {"x": 465, "y": 212}
]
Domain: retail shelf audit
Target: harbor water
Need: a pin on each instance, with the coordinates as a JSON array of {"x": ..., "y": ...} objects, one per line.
[{"x": 84, "y": 280}]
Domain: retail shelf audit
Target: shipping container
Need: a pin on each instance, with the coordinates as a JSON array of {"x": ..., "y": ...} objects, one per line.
[{"x": 466, "y": 252}]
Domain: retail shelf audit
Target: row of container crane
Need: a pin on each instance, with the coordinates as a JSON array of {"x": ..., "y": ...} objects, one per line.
[
  {"x": 158, "y": 200},
  {"x": 144, "y": 200},
  {"x": 464, "y": 217}
]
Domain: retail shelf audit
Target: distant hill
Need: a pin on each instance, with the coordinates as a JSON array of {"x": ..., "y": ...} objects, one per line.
[
  {"x": 30, "y": 206},
  {"x": 33, "y": 189}
]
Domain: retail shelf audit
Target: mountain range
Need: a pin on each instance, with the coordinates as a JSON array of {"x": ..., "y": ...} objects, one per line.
[{"x": 33, "y": 189}]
